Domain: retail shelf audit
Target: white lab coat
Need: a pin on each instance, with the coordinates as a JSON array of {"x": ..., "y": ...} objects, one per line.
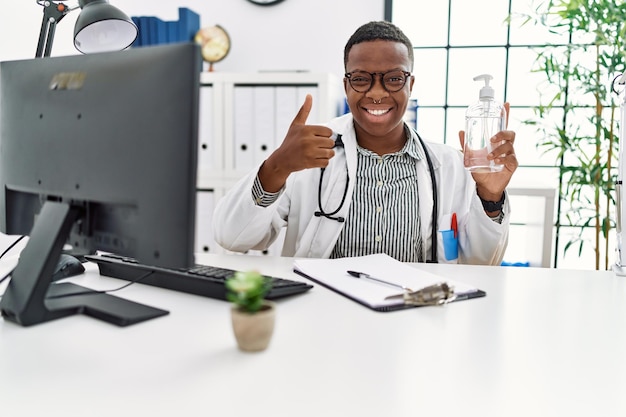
[{"x": 240, "y": 225}]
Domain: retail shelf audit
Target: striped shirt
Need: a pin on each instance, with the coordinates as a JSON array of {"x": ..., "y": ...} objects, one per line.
[{"x": 384, "y": 214}]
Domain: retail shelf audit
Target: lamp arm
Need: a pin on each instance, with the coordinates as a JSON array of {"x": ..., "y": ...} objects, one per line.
[{"x": 53, "y": 12}]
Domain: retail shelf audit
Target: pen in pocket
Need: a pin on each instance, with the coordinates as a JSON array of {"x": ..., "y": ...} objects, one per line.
[{"x": 450, "y": 239}]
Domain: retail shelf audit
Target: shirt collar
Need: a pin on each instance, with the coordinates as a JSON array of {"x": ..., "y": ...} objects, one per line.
[{"x": 410, "y": 148}]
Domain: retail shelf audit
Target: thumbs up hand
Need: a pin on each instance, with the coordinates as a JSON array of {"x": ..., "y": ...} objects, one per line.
[{"x": 305, "y": 146}]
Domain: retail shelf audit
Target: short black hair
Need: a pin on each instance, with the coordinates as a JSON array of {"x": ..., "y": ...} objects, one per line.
[{"x": 380, "y": 30}]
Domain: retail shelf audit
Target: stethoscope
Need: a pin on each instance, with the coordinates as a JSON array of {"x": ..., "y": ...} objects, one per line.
[{"x": 331, "y": 215}]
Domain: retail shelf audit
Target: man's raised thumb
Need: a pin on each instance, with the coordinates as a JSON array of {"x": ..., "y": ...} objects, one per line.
[{"x": 304, "y": 111}]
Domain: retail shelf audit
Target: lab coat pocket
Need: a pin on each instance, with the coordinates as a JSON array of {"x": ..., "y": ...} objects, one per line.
[
  {"x": 450, "y": 244},
  {"x": 450, "y": 237}
]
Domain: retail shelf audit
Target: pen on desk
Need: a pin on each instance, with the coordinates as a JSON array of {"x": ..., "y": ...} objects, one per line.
[{"x": 368, "y": 276}]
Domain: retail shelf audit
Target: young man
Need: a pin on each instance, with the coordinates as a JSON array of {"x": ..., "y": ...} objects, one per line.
[{"x": 381, "y": 189}]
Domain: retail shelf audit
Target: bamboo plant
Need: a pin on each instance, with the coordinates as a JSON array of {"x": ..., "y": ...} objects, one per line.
[{"x": 584, "y": 141}]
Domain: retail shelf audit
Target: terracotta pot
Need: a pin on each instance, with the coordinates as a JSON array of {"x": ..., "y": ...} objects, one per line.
[{"x": 253, "y": 331}]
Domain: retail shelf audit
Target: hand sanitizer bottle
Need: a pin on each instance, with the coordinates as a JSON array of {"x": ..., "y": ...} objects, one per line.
[{"x": 482, "y": 121}]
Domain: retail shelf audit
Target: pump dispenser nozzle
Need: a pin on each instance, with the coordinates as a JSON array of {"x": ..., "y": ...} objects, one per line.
[{"x": 486, "y": 93}]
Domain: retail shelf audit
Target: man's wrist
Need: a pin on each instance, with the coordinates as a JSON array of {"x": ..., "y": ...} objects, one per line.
[
  {"x": 498, "y": 217},
  {"x": 271, "y": 177},
  {"x": 261, "y": 197},
  {"x": 491, "y": 206}
]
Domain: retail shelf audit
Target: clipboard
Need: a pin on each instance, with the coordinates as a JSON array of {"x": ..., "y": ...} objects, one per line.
[{"x": 332, "y": 274}]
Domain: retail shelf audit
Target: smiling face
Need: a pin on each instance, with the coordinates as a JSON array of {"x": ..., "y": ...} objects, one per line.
[{"x": 378, "y": 113}]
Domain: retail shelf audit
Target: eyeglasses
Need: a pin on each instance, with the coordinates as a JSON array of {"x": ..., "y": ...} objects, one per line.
[{"x": 392, "y": 81}]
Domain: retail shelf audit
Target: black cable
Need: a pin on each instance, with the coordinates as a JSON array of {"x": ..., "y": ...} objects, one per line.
[
  {"x": 433, "y": 181},
  {"x": 11, "y": 246},
  {"x": 147, "y": 274},
  {"x": 321, "y": 212},
  {"x": 93, "y": 292},
  {"x": 6, "y": 276}
]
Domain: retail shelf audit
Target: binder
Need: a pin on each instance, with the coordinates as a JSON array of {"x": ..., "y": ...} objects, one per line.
[
  {"x": 205, "y": 203},
  {"x": 188, "y": 24},
  {"x": 206, "y": 141},
  {"x": 172, "y": 32},
  {"x": 264, "y": 108},
  {"x": 160, "y": 29},
  {"x": 137, "y": 23},
  {"x": 243, "y": 115},
  {"x": 144, "y": 30},
  {"x": 287, "y": 107},
  {"x": 152, "y": 30},
  {"x": 332, "y": 274},
  {"x": 155, "y": 31}
]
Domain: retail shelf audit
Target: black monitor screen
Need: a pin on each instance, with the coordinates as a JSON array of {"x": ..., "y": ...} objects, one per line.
[{"x": 98, "y": 152}]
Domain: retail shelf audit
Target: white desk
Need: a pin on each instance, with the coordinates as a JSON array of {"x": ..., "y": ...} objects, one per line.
[{"x": 543, "y": 342}]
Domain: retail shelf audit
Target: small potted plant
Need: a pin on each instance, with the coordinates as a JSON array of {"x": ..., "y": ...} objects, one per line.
[{"x": 252, "y": 315}]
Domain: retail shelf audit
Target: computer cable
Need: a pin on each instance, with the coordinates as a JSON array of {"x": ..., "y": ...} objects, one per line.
[
  {"x": 75, "y": 293},
  {"x": 5, "y": 277},
  {"x": 11, "y": 246},
  {"x": 93, "y": 292}
]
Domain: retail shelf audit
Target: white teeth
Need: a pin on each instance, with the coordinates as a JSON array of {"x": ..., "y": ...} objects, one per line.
[{"x": 377, "y": 112}]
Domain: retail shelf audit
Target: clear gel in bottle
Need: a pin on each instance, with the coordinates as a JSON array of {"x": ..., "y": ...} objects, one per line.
[{"x": 483, "y": 120}]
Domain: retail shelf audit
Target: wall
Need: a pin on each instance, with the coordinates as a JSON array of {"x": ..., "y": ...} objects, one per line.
[{"x": 292, "y": 35}]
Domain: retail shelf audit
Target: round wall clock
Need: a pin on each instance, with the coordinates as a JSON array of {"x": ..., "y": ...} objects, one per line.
[{"x": 265, "y": 2}]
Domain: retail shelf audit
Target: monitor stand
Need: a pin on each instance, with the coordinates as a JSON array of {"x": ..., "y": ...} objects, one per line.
[{"x": 30, "y": 298}]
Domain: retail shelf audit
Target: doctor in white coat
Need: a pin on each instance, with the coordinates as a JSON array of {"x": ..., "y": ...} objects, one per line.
[{"x": 323, "y": 183}]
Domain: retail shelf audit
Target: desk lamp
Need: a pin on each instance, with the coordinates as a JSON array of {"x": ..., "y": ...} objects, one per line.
[{"x": 100, "y": 27}]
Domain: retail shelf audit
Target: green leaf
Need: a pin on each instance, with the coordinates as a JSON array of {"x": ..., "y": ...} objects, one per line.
[{"x": 247, "y": 290}]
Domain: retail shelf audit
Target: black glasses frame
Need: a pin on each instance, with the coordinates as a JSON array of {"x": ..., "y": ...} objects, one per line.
[{"x": 349, "y": 75}]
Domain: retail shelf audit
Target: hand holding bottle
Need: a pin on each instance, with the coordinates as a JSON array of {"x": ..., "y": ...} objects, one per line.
[
  {"x": 491, "y": 184},
  {"x": 483, "y": 120}
]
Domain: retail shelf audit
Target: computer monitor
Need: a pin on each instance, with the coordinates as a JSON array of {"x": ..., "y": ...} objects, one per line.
[{"x": 99, "y": 152}]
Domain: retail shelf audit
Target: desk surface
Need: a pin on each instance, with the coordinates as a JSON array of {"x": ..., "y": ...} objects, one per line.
[{"x": 544, "y": 342}]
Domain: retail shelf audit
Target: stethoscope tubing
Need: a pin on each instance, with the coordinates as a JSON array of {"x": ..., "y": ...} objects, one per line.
[{"x": 331, "y": 215}]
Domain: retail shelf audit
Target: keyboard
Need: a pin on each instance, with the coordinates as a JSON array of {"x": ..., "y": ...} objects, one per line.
[{"x": 201, "y": 280}]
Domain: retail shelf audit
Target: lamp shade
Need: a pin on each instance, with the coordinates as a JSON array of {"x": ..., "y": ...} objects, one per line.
[{"x": 101, "y": 27}]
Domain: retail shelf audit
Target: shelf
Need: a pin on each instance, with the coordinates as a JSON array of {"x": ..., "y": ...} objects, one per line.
[{"x": 243, "y": 118}]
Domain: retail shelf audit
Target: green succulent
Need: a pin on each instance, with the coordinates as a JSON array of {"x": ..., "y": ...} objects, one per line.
[{"x": 247, "y": 290}]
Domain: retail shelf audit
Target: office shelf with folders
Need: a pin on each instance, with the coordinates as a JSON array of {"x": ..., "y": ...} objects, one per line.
[{"x": 243, "y": 118}]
